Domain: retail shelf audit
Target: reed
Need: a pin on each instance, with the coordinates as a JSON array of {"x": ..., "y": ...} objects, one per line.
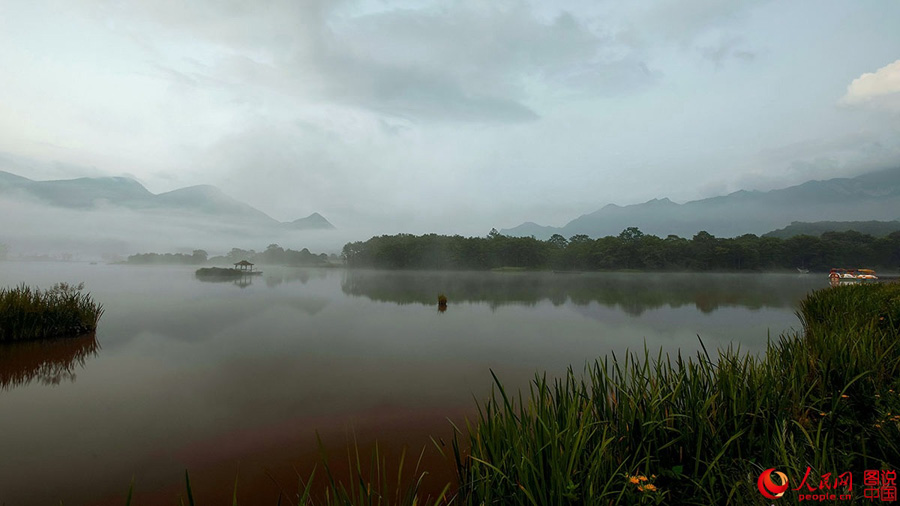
[
  {"x": 701, "y": 428},
  {"x": 31, "y": 313},
  {"x": 370, "y": 482}
]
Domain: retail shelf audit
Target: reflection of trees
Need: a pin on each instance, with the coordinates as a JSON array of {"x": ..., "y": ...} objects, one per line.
[
  {"x": 240, "y": 281},
  {"x": 275, "y": 277},
  {"x": 634, "y": 293},
  {"x": 272, "y": 277},
  {"x": 48, "y": 361}
]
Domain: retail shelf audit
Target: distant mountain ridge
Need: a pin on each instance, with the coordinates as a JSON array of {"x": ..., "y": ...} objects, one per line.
[
  {"x": 313, "y": 221},
  {"x": 873, "y": 228},
  {"x": 202, "y": 200},
  {"x": 872, "y": 196}
]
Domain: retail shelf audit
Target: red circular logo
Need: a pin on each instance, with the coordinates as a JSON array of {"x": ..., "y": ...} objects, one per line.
[{"x": 768, "y": 488}]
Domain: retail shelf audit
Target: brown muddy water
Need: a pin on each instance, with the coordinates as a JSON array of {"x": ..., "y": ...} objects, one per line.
[{"x": 233, "y": 380}]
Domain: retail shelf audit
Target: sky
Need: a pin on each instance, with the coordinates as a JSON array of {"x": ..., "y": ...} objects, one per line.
[{"x": 450, "y": 117}]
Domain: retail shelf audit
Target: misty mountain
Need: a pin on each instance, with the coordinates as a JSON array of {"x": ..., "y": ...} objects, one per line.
[
  {"x": 314, "y": 221},
  {"x": 873, "y": 228},
  {"x": 81, "y": 193},
  {"x": 209, "y": 200},
  {"x": 872, "y": 196},
  {"x": 12, "y": 180},
  {"x": 195, "y": 201}
]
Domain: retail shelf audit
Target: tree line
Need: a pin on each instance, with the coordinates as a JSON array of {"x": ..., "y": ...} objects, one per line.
[
  {"x": 631, "y": 249},
  {"x": 273, "y": 255}
]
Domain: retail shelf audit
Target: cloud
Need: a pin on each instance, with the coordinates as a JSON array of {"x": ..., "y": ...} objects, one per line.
[
  {"x": 394, "y": 114},
  {"x": 876, "y": 89},
  {"x": 721, "y": 52},
  {"x": 683, "y": 21},
  {"x": 33, "y": 168},
  {"x": 821, "y": 158},
  {"x": 462, "y": 62}
]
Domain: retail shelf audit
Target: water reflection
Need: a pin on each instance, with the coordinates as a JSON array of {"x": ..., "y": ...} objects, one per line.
[
  {"x": 633, "y": 293},
  {"x": 209, "y": 375},
  {"x": 240, "y": 281},
  {"x": 275, "y": 277},
  {"x": 48, "y": 362}
]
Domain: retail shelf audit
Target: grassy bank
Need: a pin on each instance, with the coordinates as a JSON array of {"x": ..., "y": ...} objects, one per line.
[
  {"x": 651, "y": 429},
  {"x": 31, "y": 313},
  {"x": 701, "y": 430}
]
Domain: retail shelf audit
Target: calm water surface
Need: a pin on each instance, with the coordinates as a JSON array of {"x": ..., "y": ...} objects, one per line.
[{"x": 235, "y": 379}]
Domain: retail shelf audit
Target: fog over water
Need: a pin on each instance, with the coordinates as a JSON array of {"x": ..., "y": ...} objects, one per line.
[
  {"x": 33, "y": 228},
  {"x": 204, "y": 376}
]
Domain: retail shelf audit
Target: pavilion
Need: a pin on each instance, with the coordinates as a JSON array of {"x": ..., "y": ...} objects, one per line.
[{"x": 244, "y": 265}]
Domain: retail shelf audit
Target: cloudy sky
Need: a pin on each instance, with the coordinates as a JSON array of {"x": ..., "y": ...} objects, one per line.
[{"x": 452, "y": 116}]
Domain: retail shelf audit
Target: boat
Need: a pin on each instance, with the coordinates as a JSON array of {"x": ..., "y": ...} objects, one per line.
[
  {"x": 866, "y": 274},
  {"x": 851, "y": 275}
]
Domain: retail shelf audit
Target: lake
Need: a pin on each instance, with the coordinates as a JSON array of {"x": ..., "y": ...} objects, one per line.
[{"x": 233, "y": 380}]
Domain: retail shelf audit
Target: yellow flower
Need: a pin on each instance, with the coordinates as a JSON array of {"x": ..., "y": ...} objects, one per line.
[
  {"x": 651, "y": 487},
  {"x": 633, "y": 479},
  {"x": 642, "y": 478},
  {"x": 845, "y": 396},
  {"x": 641, "y": 489}
]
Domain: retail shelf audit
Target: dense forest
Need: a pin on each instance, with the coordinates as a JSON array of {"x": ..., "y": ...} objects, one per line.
[
  {"x": 631, "y": 249},
  {"x": 273, "y": 255}
]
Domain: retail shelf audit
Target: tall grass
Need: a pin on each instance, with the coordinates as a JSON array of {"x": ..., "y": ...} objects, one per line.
[
  {"x": 371, "y": 483},
  {"x": 700, "y": 429},
  {"x": 31, "y": 313}
]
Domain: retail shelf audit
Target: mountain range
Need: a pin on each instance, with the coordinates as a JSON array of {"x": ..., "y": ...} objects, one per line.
[
  {"x": 872, "y": 196},
  {"x": 194, "y": 201},
  {"x": 873, "y": 228}
]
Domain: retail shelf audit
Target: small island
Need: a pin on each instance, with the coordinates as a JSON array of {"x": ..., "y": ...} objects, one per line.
[
  {"x": 63, "y": 311},
  {"x": 241, "y": 269}
]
